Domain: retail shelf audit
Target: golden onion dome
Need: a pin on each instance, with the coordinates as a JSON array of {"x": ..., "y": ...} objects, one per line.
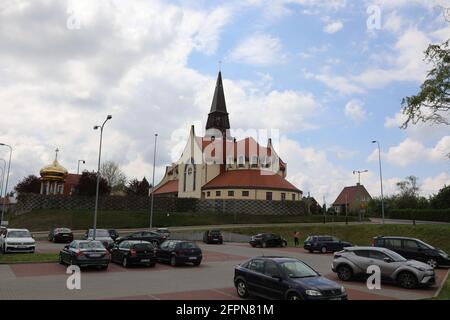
[{"x": 54, "y": 171}]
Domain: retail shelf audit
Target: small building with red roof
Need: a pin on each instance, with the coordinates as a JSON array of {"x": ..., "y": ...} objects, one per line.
[
  {"x": 352, "y": 199},
  {"x": 219, "y": 166}
]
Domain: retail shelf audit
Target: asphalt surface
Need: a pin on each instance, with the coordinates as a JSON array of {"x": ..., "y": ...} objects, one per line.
[{"x": 213, "y": 279}]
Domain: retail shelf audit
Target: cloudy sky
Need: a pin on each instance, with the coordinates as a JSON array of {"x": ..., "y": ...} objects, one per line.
[{"x": 311, "y": 70}]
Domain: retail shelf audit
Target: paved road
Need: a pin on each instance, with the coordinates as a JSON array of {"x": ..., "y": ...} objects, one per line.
[{"x": 212, "y": 280}]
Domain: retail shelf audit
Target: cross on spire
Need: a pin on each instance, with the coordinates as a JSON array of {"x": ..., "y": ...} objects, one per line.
[{"x": 56, "y": 153}]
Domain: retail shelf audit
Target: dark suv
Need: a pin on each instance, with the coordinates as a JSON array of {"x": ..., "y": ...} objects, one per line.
[
  {"x": 213, "y": 236},
  {"x": 267, "y": 240},
  {"x": 324, "y": 244},
  {"x": 413, "y": 249}
]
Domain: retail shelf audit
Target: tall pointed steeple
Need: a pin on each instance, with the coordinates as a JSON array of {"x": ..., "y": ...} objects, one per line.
[{"x": 218, "y": 115}]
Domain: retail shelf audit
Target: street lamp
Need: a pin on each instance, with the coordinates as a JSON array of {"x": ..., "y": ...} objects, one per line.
[
  {"x": 153, "y": 183},
  {"x": 7, "y": 179},
  {"x": 78, "y": 168},
  {"x": 109, "y": 117},
  {"x": 359, "y": 174},
  {"x": 3, "y": 176},
  {"x": 381, "y": 180}
]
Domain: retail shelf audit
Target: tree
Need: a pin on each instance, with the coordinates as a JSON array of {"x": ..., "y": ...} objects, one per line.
[
  {"x": 138, "y": 188},
  {"x": 115, "y": 177},
  {"x": 432, "y": 103},
  {"x": 30, "y": 184},
  {"x": 88, "y": 184},
  {"x": 442, "y": 199},
  {"x": 408, "y": 187}
]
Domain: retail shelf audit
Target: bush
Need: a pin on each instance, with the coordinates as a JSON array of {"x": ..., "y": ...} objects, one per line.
[{"x": 420, "y": 214}]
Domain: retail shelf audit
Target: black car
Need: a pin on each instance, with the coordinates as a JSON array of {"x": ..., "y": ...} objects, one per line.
[
  {"x": 130, "y": 252},
  {"x": 179, "y": 252},
  {"x": 60, "y": 235},
  {"x": 284, "y": 279},
  {"x": 213, "y": 236},
  {"x": 113, "y": 234},
  {"x": 84, "y": 253},
  {"x": 324, "y": 244},
  {"x": 267, "y": 240},
  {"x": 149, "y": 236},
  {"x": 413, "y": 249}
]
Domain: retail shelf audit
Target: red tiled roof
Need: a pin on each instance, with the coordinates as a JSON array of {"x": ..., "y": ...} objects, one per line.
[
  {"x": 246, "y": 147},
  {"x": 170, "y": 186},
  {"x": 251, "y": 179},
  {"x": 73, "y": 179},
  {"x": 349, "y": 194}
]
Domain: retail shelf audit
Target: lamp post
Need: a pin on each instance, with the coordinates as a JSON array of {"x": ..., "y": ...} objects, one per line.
[
  {"x": 7, "y": 179},
  {"x": 381, "y": 180},
  {"x": 359, "y": 174},
  {"x": 153, "y": 183},
  {"x": 109, "y": 117},
  {"x": 78, "y": 168},
  {"x": 3, "y": 177}
]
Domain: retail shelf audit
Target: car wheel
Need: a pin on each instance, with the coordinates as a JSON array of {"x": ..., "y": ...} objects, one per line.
[
  {"x": 311, "y": 251},
  {"x": 432, "y": 263},
  {"x": 344, "y": 273},
  {"x": 294, "y": 296},
  {"x": 173, "y": 261},
  {"x": 407, "y": 280},
  {"x": 324, "y": 250},
  {"x": 241, "y": 289},
  {"x": 125, "y": 262},
  {"x": 264, "y": 244}
]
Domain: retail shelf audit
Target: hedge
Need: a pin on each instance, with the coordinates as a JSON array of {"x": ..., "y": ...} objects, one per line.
[{"x": 442, "y": 215}]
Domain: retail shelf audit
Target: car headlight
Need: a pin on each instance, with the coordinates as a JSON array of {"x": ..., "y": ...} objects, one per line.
[
  {"x": 313, "y": 293},
  {"x": 342, "y": 289},
  {"x": 443, "y": 255}
]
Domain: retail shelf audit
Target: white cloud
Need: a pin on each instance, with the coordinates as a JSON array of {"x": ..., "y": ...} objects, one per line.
[
  {"x": 410, "y": 151},
  {"x": 333, "y": 27},
  {"x": 354, "y": 110},
  {"x": 260, "y": 49},
  {"x": 431, "y": 185}
]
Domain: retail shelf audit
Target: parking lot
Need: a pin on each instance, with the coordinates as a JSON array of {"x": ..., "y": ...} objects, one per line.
[{"x": 213, "y": 279}]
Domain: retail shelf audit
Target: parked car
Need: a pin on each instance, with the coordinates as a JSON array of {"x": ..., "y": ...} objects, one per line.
[
  {"x": 213, "y": 236},
  {"x": 267, "y": 240},
  {"x": 284, "y": 279},
  {"x": 415, "y": 249},
  {"x": 324, "y": 244},
  {"x": 354, "y": 261},
  {"x": 149, "y": 236},
  {"x": 113, "y": 234},
  {"x": 179, "y": 252},
  {"x": 131, "y": 252},
  {"x": 85, "y": 253},
  {"x": 17, "y": 240},
  {"x": 60, "y": 235},
  {"x": 101, "y": 235},
  {"x": 164, "y": 232}
]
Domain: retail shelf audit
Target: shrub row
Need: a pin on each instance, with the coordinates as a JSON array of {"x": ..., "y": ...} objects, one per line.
[{"x": 420, "y": 214}]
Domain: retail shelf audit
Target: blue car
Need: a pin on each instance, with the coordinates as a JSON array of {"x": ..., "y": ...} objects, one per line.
[
  {"x": 325, "y": 244},
  {"x": 281, "y": 278}
]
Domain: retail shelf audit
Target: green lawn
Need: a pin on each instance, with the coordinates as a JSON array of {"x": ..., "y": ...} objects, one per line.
[
  {"x": 434, "y": 234},
  {"x": 28, "y": 257},
  {"x": 445, "y": 292},
  {"x": 81, "y": 219}
]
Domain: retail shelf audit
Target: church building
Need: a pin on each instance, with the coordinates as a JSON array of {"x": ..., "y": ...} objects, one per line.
[{"x": 218, "y": 166}]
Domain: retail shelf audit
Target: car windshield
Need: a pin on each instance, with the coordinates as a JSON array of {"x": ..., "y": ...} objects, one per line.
[
  {"x": 424, "y": 245},
  {"x": 188, "y": 245},
  {"x": 91, "y": 245},
  {"x": 297, "y": 269},
  {"x": 62, "y": 230},
  {"x": 19, "y": 234},
  {"x": 99, "y": 233},
  {"x": 396, "y": 257}
]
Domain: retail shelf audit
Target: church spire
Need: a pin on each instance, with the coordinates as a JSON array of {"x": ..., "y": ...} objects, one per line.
[{"x": 218, "y": 115}]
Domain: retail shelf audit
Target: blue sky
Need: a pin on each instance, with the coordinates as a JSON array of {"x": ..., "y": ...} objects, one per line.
[{"x": 311, "y": 69}]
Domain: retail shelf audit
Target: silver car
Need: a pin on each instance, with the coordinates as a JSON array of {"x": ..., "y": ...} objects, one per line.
[{"x": 354, "y": 261}]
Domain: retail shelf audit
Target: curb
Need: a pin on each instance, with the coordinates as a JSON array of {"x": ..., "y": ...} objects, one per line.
[
  {"x": 27, "y": 262},
  {"x": 438, "y": 292}
]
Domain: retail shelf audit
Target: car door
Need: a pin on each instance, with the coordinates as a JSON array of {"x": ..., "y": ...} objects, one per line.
[
  {"x": 273, "y": 286},
  {"x": 163, "y": 251},
  {"x": 255, "y": 277},
  {"x": 362, "y": 260},
  {"x": 387, "y": 268},
  {"x": 411, "y": 250}
]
